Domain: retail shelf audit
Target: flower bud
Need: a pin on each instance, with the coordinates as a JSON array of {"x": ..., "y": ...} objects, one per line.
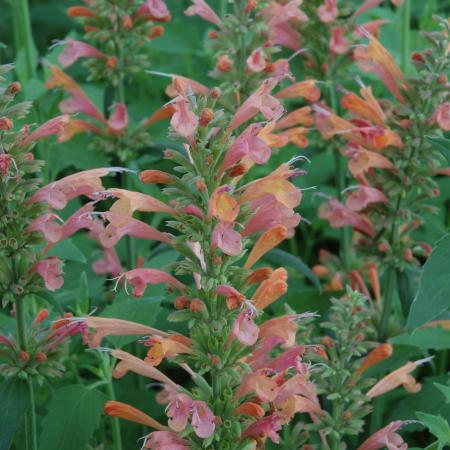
[
  {"x": 196, "y": 305},
  {"x": 213, "y": 34},
  {"x": 327, "y": 341},
  {"x": 41, "y": 316},
  {"x": 90, "y": 29},
  {"x": 347, "y": 415},
  {"x": 224, "y": 63},
  {"x": 181, "y": 302},
  {"x": 80, "y": 11},
  {"x": 156, "y": 31},
  {"x": 24, "y": 356},
  {"x": 206, "y": 115},
  {"x": 41, "y": 357},
  {"x": 442, "y": 79},
  {"x": 250, "y": 6},
  {"x": 237, "y": 170},
  {"x": 383, "y": 247},
  {"x": 6, "y": 124},
  {"x": 111, "y": 62},
  {"x": 127, "y": 23},
  {"x": 155, "y": 177},
  {"x": 408, "y": 255},
  {"x": 320, "y": 270},
  {"x": 14, "y": 88},
  {"x": 417, "y": 57},
  {"x": 29, "y": 156},
  {"x": 201, "y": 185}
]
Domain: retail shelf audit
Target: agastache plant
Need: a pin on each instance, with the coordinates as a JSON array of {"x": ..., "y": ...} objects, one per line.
[
  {"x": 390, "y": 157},
  {"x": 249, "y": 376}
]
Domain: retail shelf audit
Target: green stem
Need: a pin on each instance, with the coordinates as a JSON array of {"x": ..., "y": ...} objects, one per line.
[
  {"x": 24, "y": 36},
  {"x": 115, "y": 423},
  {"x": 406, "y": 34},
  {"x": 31, "y": 429},
  {"x": 387, "y": 304}
]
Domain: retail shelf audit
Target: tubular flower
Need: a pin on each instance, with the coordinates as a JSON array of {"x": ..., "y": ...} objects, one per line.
[
  {"x": 202, "y": 9},
  {"x": 244, "y": 328},
  {"x": 387, "y": 437},
  {"x": 128, "y": 412},
  {"x": 162, "y": 440},
  {"x": 401, "y": 376},
  {"x": 271, "y": 289},
  {"x": 306, "y": 89},
  {"x": 378, "y": 354},
  {"x": 50, "y": 270},
  {"x": 75, "y": 50},
  {"x": 166, "y": 347},
  {"x": 266, "y": 427}
]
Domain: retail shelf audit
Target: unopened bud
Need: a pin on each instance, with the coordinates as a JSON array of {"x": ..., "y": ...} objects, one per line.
[
  {"x": 417, "y": 57},
  {"x": 156, "y": 31},
  {"x": 201, "y": 185},
  {"x": 80, "y": 11},
  {"x": 327, "y": 341},
  {"x": 215, "y": 360},
  {"x": 127, "y": 23},
  {"x": 41, "y": 357},
  {"x": 405, "y": 123},
  {"x": 90, "y": 29},
  {"x": 383, "y": 247},
  {"x": 111, "y": 62},
  {"x": 408, "y": 255},
  {"x": 14, "y": 88},
  {"x": 6, "y": 124},
  {"x": 41, "y": 316},
  {"x": 213, "y": 34},
  {"x": 155, "y": 177},
  {"x": 215, "y": 92},
  {"x": 250, "y": 6},
  {"x": 196, "y": 305},
  {"x": 347, "y": 415},
  {"x": 442, "y": 79},
  {"x": 206, "y": 115},
  {"x": 29, "y": 156},
  {"x": 237, "y": 170},
  {"x": 24, "y": 356},
  {"x": 320, "y": 270},
  {"x": 181, "y": 302},
  {"x": 168, "y": 153},
  {"x": 224, "y": 63}
]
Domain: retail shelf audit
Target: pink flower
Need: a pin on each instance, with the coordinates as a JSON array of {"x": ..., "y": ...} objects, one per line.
[
  {"x": 247, "y": 144},
  {"x": 339, "y": 43},
  {"x": 228, "y": 240},
  {"x": 386, "y": 438},
  {"x": 259, "y": 102},
  {"x": 79, "y": 220},
  {"x": 157, "y": 9},
  {"x": 178, "y": 412},
  {"x": 260, "y": 357},
  {"x": 363, "y": 197},
  {"x": 202, "y": 9},
  {"x": 118, "y": 120},
  {"x": 54, "y": 126},
  {"x": 50, "y": 270},
  {"x": 284, "y": 327},
  {"x": 112, "y": 234},
  {"x": 328, "y": 11},
  {"x": 80, "y": 103},
  {"x": 165, "y": 440},
  {"x": 109, "y": 264},
  {"x": 268, "y": 426},
  {"x": 340, "y": 215},
  {"x": 202, "y": 419},
  {"x": 5, "y": 163},
  {"x": 261, "y": 383},
  {"x": 287, "y": 359},
  {"x": 78, "y": 49},
  {"x": 442, "y": 116},
  {"x": 244, "y": 328},
  {"x": 285, "y": 36},
  {"x": 184, "y": 121},
  {"x": 46, "y": 225},
  {"x": 256, "y": 61},
  {"x": 233, "y": 296},
  {"x": 140, "y": 278}
]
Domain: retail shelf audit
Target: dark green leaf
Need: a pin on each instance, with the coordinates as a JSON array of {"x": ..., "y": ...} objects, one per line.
[
  {"x": 280, "y": 257},
  {"x": 440, "y": 144},
  {"x": 407, "y": 286},
  {"x": 433, "y": 297},
  {"x": 14, "y": 401},
  {"x": 73, "y": 415},
  {"x": 438, "y": 426},
  {"x": 83, "y": 294},
  {"x": 67, "y": 250},
  {"x": 445, "y": 390},
  {"x": 425, "y": 338}
]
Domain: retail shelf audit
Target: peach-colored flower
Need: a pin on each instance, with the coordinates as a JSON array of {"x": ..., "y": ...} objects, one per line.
[
  {"x": 105, "y": 326},
  {"x": 185, "y": 86},
  {"x": 306, "y": 89},
  {"x": 361, "y": 160},
  {"x": 301, "y": 116},
  {"x": 261, "y": 383},
  {"x": 76, "y": 126},
  {"x": 266, "y": 427},
  {"x": 284, "y": 327},
  {"x": 184, "y": 121},
  {"x": 401, "y": 376},
  {"x": 364, "y": 196},
  {"x": 167, "y": 347},
  {"x": 271, "y": 289},
  {"x": 50, "y": 270},
  {"x": 267, "y": 241},
  {"x": 108, "y": 264},
  {"x": 118, "y": 120},
  {"x": 244, "y": 328},
  {"x": 128, "y": 412},
  {"x": 378, "y": 354},
  {"x": 202, "y": 9},
  {"x": 339, "y": 44},
  {"x": 47, "y": 225},
  {"x": 223, "y": 206},
  {"x": 366, "y": 107},
  {"x": 256, "y": 61},
  {"x": 52, "y": 127},
  {"x": 164, "y": 440},
  {"x": 385, "y": 438},
  {"x": 233, "y": 296},
  {"x": 227, "y": 239},
  {"x": 328, "y": 11},
  {"x": 75, "y": 50},
  {"x": 442, "y": 116},
  {"x": 250, "y": 409},
  {"x": 140, "y": 278}
]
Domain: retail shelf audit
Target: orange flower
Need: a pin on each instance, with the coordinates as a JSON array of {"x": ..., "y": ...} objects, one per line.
[
  {"x": 374, "y": 281},
  {"x": 271, "y": 289},
  {"x": 128, "y": 412},
  {"x": 306, "y": 89},
  {"x": 155, "y": 177},
  {"x": 259, "y": 275},
  {"x": 165, "y": 112},
  {"x": 104, "y": 326},
  {"x": 167, "y": 348},
  {"x": 301, "y": 116},
  {"x": 378, "y": 354},
  {"x": 223, "y": 206},
  {"x": 250, "y": 409},
  {"x": 267, "y": 241},
  {"x": 401, "y": 376},
  {"x": 75, "y": 126},
  {"x": 362, "y": 160}
]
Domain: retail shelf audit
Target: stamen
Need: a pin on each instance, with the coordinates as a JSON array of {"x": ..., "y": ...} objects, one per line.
[
  {"x": 420, "y": 362},
  {"x": 298, "y": 52}
]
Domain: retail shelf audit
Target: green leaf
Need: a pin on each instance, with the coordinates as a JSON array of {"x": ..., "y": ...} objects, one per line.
[
  {"x": 14, "y": 400},
  {"x": 73, "y": 415},
  {"x": 438, "y": 426},
  {"x": 433, "y": 297},
  {"x": 83, "y": 294},
  {"x": 407, "y": 286},
  {"x": 67, "y": 250},
  {"x": 440, "y": 144},
  {"x": 144, "y": 310},
  {"x": 445, "y": 390},
  {"x": 280, "y": 257},
  {"x": 425, "y": 339}
]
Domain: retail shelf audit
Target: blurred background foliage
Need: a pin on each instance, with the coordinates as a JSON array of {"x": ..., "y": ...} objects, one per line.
[{"x": 182, "y": 50}]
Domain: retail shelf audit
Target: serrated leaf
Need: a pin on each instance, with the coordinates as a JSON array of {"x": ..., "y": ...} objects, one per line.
[
  {"x": 280, "y": 257},
  {"x": 67, "y": 250},
  {"x": 428, "y": 338},
  {"x": 144, "y": 310},
  {"x": 438, "y": 426},
  {"x": 14, "y": 400},
  {"x": 440, "y": 144},
  {"x": 73, "y": 415},
  {"x": 445, "y": 390},
  {"x": 433, "y": 297}
]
